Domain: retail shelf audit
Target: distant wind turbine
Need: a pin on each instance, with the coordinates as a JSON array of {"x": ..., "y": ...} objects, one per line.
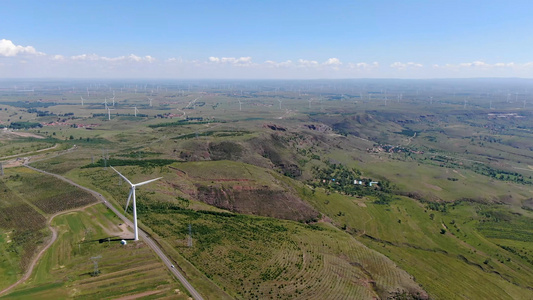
[
  {"x": 132, "y": 193},
  {"x": 109, "y": 113}
]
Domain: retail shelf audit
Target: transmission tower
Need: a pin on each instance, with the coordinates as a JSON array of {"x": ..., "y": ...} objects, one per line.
[
  {"x": 95, "y": 259},
  {"x": 189, "y": 239}
]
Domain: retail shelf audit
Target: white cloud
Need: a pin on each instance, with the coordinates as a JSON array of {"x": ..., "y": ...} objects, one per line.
[
  {"x": 131, "y": 57},
  {"x": 333, "y": 62},
  {"x": 7, "y": 48},
  {"x": 307, "y": 63},
  {"x": 241, "y": 61},
  {"x": 134, "y": 57},
  {"x": 363, "y": 65},
  {"x": 504, "y": 65},
  {"x": 403, "y": 66},
  {"x": 174, "y": 60},
  {"x": 283, "y": 64},
  {"x": 478, "y": 64},
  {"x": 29, "y": 62},
  {"x": 85, "y": 57}
]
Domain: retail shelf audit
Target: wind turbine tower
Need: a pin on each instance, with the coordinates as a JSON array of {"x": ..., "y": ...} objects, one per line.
[
  {"x": 81, "y": 100},
  {"x": 150, "y": 101},
  {"x": 109, "y": 113},
  {"x": 136, "y": 110},
  {"x": 132, "y": 195},
  {"x": 279, "y": 100}
]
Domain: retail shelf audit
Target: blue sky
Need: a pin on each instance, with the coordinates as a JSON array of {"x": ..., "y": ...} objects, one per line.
[{"x": 266, "y": 39}]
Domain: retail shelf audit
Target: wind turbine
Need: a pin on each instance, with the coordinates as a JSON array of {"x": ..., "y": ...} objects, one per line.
[
  {"x": 81, "y": 100},
  {"x": 109, "y": 113},
  {"x": 132, "y": 193},
  {"x": 150, "y": 101},
  {"x": 136, "y": 110},
  {"x": 240, "y": 105},
  {"x": 279, "y": 100}
]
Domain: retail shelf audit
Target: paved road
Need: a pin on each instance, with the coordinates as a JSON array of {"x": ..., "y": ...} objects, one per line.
[{"x": 149, "y": 241}]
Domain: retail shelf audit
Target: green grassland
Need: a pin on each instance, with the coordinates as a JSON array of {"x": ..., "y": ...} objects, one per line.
[
  {"x": 253, "y": 257},
  {"x": 22, "y": 230},
  {"x": 222, "y": 240},
  {"x": 446, "y": 249},
  {"x": 66, "y": 270},
  {"x": 450, "y": 218},
  {"x": 27, "y": 198},
  {"x": 48, "y": 194}
]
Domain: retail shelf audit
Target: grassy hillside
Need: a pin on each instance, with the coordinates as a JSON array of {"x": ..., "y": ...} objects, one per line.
[
  {"x": 253, "y": 257},
  {"x": 27, "y": 198},
  {"x": 67, "y": 268},
  {"x": 447, "y": 248},
  {"x": 270, "y": 198}
]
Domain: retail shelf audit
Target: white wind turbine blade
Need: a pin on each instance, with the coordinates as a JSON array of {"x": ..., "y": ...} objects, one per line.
[
  {"x": 123, "y": 177},
  {"x": 129, "y": 198},
  {"x": 145, "y": 182}
]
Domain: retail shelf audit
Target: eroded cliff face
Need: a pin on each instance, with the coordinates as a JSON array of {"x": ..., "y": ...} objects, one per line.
[{"x": 257, "y": 201}]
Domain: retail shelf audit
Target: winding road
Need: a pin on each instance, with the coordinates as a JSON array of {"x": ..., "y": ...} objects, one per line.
[
  {"x": 144, "y": 236},
  {"x": 34, "y": 261}
]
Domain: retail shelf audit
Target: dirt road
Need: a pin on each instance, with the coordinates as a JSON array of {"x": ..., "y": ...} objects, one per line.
[{"x": 34, "y": 261}]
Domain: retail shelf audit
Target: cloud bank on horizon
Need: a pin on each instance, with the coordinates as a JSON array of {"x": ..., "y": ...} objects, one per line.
[{"x": 20, "y": 61}]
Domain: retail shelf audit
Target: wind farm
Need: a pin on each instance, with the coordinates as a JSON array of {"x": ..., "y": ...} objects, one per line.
[
  {"x": 220, "y": 168},
  {"x": 252, "y": 150}
]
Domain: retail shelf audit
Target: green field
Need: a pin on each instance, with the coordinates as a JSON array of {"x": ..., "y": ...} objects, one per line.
[
  {"x": 269, "y": 192},
  {"x": 66, "y": 270}
]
